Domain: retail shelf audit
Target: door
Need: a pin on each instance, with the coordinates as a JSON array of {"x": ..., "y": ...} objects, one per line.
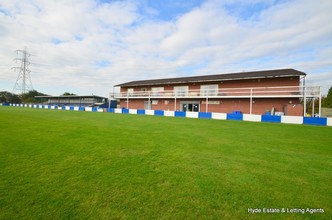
[{"x": 190, "y": 107}]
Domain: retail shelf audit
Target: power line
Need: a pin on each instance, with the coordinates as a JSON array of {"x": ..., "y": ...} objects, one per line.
[{"x": 23, "y": 82}]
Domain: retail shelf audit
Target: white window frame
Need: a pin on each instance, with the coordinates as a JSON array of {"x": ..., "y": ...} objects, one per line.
[
  {"x": 209, "y": 90},
  {"x": 130, "y": 91},
  {"x": 154, "y": 102},
  {"x": 181, "y": 90},
  {"x": 157, "y": 91}
]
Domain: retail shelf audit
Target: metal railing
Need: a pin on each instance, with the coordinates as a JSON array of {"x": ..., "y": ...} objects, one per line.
[{"x": 282, "y": 91}]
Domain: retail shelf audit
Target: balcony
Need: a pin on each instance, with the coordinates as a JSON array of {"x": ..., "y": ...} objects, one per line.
[{"x": 254, "y": 92}]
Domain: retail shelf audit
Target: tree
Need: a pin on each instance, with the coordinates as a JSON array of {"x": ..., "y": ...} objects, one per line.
[
  {"x": 3, "y": 97},
  {"x": 30, "y": 97},
  {"x": 68, "y": 93},
  {"x": 327, "y": 101},
  {"x": 9, "y": 97}
]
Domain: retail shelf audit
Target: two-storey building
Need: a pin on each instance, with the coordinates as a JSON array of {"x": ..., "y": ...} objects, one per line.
[{"x": 275, "y": 91}]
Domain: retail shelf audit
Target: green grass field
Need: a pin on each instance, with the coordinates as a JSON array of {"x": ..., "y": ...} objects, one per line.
[{"x": 83, "y": 165}]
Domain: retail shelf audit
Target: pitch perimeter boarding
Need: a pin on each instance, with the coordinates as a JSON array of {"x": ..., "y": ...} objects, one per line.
[{"x": 238, "y": 116}]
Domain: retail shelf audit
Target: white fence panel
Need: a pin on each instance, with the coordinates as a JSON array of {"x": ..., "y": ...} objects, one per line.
[
  {"x": 329, "y": 122},
  {"x": 118, "y": 110},
  {"x": 149, "y": 112},
  {"x": 192, "y": 114},
  {"x": 133, "y": 111},
  {"x": 292, "y": 119},
  {"x": 248, "y": 117},
  {"x": 222, "y": 116},
  {"x": 169, "y": 113}
]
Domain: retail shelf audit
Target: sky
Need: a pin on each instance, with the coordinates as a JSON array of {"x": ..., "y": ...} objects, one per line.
[{"x": 88, "y": 46}]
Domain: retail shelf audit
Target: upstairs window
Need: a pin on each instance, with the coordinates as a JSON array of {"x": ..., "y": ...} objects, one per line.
[
  {"x": 157, "y": 91},
  {"x": 130, "y": 91},
  {"x": 209, "y": 90},
  {"x": 181, "y": 90}
]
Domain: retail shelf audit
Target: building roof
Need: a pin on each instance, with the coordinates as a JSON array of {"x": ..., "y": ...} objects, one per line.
[
  {"x": 70, "y": 96},
  {"x": 217, "y": 77}
]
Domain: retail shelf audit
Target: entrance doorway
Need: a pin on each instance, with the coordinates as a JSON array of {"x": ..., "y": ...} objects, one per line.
[{"x": 190, "y": 107}]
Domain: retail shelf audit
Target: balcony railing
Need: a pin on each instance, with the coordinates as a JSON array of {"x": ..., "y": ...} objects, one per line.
[{"x": 284, "y": 91}]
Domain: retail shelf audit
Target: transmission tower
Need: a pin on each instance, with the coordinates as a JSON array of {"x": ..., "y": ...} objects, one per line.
[{"x": 23, "y": 82}]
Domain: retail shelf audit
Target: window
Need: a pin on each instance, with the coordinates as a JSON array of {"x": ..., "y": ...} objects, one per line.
[
  {"x": 144, "y": 92},
  {"x": 154, "y": 102},
  {"x": 130, "y": 91},
  {"x": 209, "y": 90},
  {"x": 181, "y": 90},
  {"x": 157, "y": 91}
]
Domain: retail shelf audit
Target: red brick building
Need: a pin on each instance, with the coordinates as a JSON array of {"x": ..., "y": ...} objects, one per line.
[{"x": 259, "y": 92}]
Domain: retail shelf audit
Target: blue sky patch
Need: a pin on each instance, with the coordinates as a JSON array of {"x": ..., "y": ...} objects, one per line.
[
  {"x": 102, "y": 63},
  {"x": 246, "y": 11},
  {"x": 57, "y": 41},
  {"x": 3, "y": 11},
  {"x": 170, "y": 9},
  {"x": 78, "y": 38}
]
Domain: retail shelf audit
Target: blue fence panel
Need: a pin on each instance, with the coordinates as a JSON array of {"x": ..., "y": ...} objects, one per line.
[
  {"x": 159, "y": 112},
  {"x": 94, "y": 109},
  {"x": 236, "y": 116},
  {"x": 314, "y": 121},
  {"x": 81, "y": 108},
  {"x": 140, "y": 111},
  {"x": 71, "y": 108},
  {"x": 179, "y": 114},
  {"x": 271, "y": 118},
  {"x": 204, "y": 115},
  {"x": 125, "y": 111},
  {"x": 63, "y": 107},
  {"x": 110, "y": 110}
]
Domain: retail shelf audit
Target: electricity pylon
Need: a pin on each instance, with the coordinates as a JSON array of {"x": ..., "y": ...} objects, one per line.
[{"x": 23, "y": 82}]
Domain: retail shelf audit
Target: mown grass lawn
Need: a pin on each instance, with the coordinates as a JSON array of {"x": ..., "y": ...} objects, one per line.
[{"x": 83, "y": 165}]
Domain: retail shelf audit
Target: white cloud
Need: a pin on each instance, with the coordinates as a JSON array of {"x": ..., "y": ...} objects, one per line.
[{"x": 88, "y": 46}]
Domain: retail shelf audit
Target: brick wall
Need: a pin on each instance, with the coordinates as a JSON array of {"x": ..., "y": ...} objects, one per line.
[
  {"x": 259, "y": 105},
  {"x": 225, "y": 105}
]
